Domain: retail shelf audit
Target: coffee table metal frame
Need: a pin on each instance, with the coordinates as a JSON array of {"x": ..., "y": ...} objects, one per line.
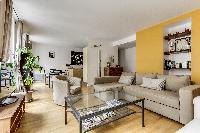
[{"x": 80, "y": 118}]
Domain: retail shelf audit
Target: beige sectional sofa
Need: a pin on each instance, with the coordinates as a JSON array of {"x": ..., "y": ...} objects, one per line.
[{"x": 174, "y": 102}]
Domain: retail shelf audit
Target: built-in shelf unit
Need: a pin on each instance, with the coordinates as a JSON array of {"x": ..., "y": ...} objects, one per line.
[{"x": 177, "y": 48}]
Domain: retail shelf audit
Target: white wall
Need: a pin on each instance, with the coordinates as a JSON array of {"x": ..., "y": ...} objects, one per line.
[
  {"x": 127, "y": 59},
  {"x": 106, "y": 52},
  {"x": 62, "y": 56},
  {"x": 90, "y": 67}
]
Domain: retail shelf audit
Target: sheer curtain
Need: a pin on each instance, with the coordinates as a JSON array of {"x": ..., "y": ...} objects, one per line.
[
  {"x": 5, "y": 28},
  {"x": 19, "y": 33}
]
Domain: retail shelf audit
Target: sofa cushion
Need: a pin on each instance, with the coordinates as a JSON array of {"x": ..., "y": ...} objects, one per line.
[
  {"x": 139, "y": 77},
  {"x": 128, "y": 80},
  {"x": 107, "y": 86},
  {"x": 106, "y": 79},
  {"x": 74, "y": 81},
  {"x": 156, "y": 84},
  {"x": 62, "y": 77},
  {"x": 74, "y": 89},
  {"x": 166, "y": 97},
  {"x": 146, "y": 82},
  {"x": 129, "y": 74},
  {"x": 174, "y": 83}
]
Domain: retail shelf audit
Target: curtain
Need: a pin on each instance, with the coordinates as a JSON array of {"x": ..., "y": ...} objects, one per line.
[
  {"x": 19, "y": 32},
  {"x": 19, "y": 38},
  {"x": 5, "y": 25}
]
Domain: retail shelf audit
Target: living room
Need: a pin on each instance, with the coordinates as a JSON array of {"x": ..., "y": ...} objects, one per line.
[{"x": 99, "y": 66}]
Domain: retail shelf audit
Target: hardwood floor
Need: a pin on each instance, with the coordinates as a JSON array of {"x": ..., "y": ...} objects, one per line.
[{"x": 43, "y": 116}]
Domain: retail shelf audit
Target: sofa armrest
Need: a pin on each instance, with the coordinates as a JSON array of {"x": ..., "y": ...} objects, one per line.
[
  {"x": 186, "y": 96},
  {"x": 106, "y": 79},
  {"x": 196, "y": 103}
]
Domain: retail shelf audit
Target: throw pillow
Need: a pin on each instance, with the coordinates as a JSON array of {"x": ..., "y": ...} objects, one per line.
[
  {"x": 126, "y": 80},
  {"x": 156, "y": 84},
  {"x": 146, "y": 82}
]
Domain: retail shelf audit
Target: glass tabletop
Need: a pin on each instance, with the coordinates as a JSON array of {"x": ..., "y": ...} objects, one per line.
[{"x": 86, "y": 104}]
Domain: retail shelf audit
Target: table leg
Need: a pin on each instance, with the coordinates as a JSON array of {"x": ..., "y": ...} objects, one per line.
[
  {"x": 49, "y": 81},
  {"x": 23, "y": 106},
  {"x": 45, "y": 79},
  {"x": 5, "y": 83},
  {"x": 10, "y": 82},
  {"x": 143, "y": 113},
  {"x": 80, "y": 126},
  {"x": 65, "y": 113}
]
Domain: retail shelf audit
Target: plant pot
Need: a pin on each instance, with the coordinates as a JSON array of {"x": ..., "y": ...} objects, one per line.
[
  {"x": 27, "y": 88},
  {"x": 28, "y": 97}
]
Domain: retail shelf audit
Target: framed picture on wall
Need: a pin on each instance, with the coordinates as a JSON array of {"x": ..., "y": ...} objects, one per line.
[
  {"x": 51, "y": 54},
  {"x": 76, "y": 58}
]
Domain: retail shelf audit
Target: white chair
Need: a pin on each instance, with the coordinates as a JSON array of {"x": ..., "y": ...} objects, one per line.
[
  {"x": 64, "y": 86},
  {"x": 194, "y": 125}
]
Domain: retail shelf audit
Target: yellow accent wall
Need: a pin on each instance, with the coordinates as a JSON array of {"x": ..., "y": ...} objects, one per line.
[{"x": 149, "y": 46}]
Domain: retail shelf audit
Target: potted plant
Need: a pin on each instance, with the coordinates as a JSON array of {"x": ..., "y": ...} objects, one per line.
[
  {"x": 28, "y": 82},
  {"x": 28, "y": 63}
]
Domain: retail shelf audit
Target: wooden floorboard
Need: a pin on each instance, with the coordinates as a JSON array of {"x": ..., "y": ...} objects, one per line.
[{"x": 43, "y": 116}]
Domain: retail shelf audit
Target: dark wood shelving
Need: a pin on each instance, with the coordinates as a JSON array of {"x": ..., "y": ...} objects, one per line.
[
  {"x": 179, "y": 69},
  {"x": 178, "y": 34},
  {"x": 178, "y": 52}
]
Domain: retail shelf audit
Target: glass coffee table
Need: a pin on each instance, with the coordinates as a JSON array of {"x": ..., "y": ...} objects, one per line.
[{"x": 92, "y": 112}]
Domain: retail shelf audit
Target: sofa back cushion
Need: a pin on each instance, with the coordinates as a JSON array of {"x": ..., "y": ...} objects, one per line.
[
  {"x": 140, "y": 76},
  {"x": 132, "y": 74},
  {"x": 74, "y": 81},
  {"x": 174, "y": 83},
  {"x": 106, "y": 79},
  {"x": 128, "y": 80},
  {"x": 62, "y": 77}
]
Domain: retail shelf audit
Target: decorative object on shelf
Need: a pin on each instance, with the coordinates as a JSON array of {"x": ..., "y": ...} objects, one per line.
[
  {"x": 189, "y": 65},
  {"x": 51, "y": 54},
  {"x": 177, "y": 65},
  {"x": 184, "y": 65},
  {"x": 108, "y": 64},
  {"x": 173, "y": 64},
  {"x": 111, "y": 59},
  {"x": 178, "y": 45},
  {"x": 117, "y": 65},
  {"x": 180, "y": 65},
  {"x": 185, "y": 44},
  {"x": 188, "y": 39},
  {"x": 178, "y": 34},
  {"x": 172, "y": 46},
  {"x": 168, "y": 65}
]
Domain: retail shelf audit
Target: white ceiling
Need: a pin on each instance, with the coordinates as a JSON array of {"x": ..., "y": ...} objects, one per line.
[{"x": 75, "y": 22}]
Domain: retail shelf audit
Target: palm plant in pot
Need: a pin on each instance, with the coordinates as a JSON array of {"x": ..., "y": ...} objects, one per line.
[{"x": 28, "y": 63}]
